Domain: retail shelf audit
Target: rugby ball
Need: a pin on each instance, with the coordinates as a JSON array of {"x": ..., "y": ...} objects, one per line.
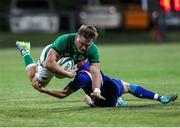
[{"x": 67, "y": 63}]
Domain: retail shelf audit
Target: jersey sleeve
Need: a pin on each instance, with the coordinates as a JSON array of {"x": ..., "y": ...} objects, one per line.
[
  {"x": 73, "y": 85},
  {"x": 93, "y": 54},
  {"x": 82, "y": 80},
  {"x": 60, "y": 44}
]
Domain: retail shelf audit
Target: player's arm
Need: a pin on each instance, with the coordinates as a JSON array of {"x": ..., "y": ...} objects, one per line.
[
  {"x": 95, "y": 71},
  {"x": 57, "y": 93},
  {"x": 52, "y": 65},
  {"x": 96, "y": 80}
]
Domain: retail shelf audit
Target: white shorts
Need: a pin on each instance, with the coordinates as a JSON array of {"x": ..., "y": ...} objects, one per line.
[{"x": 43, "y": 74}]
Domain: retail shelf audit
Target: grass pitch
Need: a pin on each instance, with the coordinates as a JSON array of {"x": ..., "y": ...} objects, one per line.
[{"x": 154, "y": 66}]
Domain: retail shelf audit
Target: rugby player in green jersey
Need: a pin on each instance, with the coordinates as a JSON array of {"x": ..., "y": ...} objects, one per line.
[{"x": 79, "y": 46}]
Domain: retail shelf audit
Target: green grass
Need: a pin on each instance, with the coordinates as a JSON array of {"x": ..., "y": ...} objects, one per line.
[{"x": 154, "y": 66}]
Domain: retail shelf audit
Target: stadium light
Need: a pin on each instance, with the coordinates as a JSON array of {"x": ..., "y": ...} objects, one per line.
[
  {"x": 177, "y": 5},
  {"x": 166, "y": 4},
  {"x": 169, "y": 5}
]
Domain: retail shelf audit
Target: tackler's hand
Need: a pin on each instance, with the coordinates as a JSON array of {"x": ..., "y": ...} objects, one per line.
[
  {"x": 71, "y": 74},
  {"x": 37, "y": 85},
  {"x": 97, "y": 94}
]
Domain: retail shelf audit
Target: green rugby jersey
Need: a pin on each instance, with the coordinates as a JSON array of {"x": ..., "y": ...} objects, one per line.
[{"x": 65, "y": 46}]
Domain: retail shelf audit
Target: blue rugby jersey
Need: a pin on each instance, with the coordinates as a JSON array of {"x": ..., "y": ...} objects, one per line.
[{"x": 111, "y": 88}]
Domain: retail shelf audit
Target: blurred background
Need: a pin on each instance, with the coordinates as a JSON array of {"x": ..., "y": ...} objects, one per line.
[{"x": 118, "y": 21}]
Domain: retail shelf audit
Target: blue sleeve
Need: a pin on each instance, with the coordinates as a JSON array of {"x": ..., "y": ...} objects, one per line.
[
  {"x": 81, "y": 80},
  {"x": 85, "y": 66},
  {"x": 73, "y": 86}
]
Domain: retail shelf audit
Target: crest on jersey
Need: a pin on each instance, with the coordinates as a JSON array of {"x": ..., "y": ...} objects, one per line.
[
  {"x": 78, "y": 57},
  {"x": 81, "y": 57}
]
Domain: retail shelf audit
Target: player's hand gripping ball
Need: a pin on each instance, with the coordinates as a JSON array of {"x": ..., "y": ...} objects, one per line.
[{"x": 67, "y": 63}]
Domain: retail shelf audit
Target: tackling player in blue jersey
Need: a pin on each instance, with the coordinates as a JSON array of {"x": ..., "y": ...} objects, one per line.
[{"x": 111, "y": 89}]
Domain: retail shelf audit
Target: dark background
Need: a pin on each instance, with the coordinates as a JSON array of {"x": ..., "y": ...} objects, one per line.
[{"x": 155, "y": 32}]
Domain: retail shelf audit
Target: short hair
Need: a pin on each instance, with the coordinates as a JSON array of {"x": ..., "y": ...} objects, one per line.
[{"x": 88, "y": 31}]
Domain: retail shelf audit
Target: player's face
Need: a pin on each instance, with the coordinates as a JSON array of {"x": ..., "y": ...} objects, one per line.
[{"x": 82, "y": 44}]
